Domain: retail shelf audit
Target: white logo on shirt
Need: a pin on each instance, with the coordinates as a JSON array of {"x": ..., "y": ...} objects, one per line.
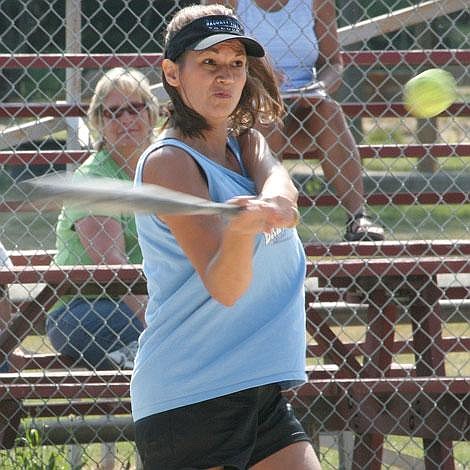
[{"x": 270, "y": 237}]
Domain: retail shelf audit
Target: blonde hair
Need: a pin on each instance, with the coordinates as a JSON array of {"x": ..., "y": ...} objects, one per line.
[{"x": 127, "y": 81}]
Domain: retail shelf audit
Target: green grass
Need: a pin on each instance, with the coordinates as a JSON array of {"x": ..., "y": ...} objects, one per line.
[
  {"x": 402, "y": 445},
  {"x": 30, "y": 454},
  {"x": 380, "y": 135},
  {"x": 402, "y": 165},
  {"x": 401, "y": 223},
  {"x": 20, "y": 457},
  {"x": 28, "y": 231}
]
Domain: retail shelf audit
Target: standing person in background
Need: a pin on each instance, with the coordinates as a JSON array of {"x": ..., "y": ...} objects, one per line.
[
  {"x": 103, "y": 331},
  {"x": 226, "y": 315},
  {"x": 301, "y": 38}
]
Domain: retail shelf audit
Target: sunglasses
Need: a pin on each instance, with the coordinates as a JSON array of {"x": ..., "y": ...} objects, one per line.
[{"x": 115, "y": 112}]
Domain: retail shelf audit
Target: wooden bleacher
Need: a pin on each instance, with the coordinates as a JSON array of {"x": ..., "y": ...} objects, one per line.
[{"x": 361, "y": 389}]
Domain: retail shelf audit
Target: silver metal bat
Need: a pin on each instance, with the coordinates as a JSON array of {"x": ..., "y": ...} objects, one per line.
[{"x": 117, "y": 196}]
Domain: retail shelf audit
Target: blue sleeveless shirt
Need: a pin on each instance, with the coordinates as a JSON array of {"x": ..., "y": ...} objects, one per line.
[
  {"x": 288, "y": 36},
  {"x": 195, "y": 348}
]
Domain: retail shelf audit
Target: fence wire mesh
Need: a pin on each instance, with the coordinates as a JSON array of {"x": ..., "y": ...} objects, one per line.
[{"x": 389, "y": 337}]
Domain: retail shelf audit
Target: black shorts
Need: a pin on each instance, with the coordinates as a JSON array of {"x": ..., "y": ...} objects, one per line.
[{"x": 234, "y": 431}]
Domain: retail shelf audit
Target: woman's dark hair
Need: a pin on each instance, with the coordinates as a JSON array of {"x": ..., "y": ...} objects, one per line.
[{"x": 260, "y": 100}]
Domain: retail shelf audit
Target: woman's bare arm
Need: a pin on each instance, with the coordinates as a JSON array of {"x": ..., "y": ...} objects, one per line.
[
  {"x": 220, "y": 250},
  {"x": 103, "y": 240},
  {"x": 272, "y": 180}
]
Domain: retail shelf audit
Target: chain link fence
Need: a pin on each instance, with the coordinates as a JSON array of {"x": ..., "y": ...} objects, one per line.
[{"x": 389, "y": 341}]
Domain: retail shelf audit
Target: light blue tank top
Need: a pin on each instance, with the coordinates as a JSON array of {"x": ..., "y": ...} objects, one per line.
[
  {"x": 287, "y": 35},
  {"x": 194, "y": 348}
]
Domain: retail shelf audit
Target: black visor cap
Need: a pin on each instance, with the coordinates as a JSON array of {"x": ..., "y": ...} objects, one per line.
[{"x": 208, "y": 31}]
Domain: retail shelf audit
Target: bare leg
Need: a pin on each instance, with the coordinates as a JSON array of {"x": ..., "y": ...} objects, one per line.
[
  {"x": 324, "y": 128},
  {"x": 341, "y": 164},
  {"x": 340, "y": 158},
  {"x": 298, "y": 456}
]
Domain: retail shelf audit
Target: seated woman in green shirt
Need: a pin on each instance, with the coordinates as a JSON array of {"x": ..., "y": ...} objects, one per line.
[{"x": 102, "y": 332}]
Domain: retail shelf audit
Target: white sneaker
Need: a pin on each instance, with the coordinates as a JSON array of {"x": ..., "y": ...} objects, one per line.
[{"x": 123, "y": 358}]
